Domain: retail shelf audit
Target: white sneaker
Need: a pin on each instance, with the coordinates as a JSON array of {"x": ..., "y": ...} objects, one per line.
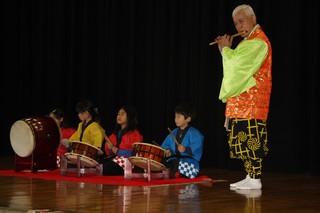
[
  {"x": 233, "y": 185},
  {"x": 251, "y": 184}
]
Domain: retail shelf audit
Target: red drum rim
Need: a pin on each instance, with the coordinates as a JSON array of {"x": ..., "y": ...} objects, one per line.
[
  {"x": 85, "y": 143},
  {"x": 147, "y": 144}
]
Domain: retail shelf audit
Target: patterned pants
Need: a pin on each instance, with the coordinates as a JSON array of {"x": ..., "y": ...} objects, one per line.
[
  {"x": 188, "y": 169},
  {"x": 248, "y": 141}
]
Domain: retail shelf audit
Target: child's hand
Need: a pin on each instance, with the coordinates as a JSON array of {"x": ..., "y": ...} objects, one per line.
[
  {"x": 115, "y": 150},
  {"x": 181, "y": 148},
  {"x": 65, "y": 142},
  {"x": 167, "y": 153},
  {"x": 110, "y": 145}
]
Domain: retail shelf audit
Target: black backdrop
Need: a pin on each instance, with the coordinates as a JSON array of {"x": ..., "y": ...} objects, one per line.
[{"x": 153, "y": 54}]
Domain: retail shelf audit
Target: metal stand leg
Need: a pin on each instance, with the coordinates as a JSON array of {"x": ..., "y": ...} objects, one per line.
[
  {"x": 63, "y": 165},
  {"x": 81, "y": 170},
  {"x": 148, "y": 170}
]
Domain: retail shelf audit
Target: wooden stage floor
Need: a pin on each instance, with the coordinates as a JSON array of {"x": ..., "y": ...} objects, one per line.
[{"x": 294, "y": 193}]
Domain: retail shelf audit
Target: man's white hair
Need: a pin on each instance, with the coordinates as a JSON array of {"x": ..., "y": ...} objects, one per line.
[{"x": 247, "y": 9}]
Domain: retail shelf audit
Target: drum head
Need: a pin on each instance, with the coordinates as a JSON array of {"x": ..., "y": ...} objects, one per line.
[
  {"x": 85, "y": 161},
  {"x": 22, "y": 139},
  {"x": 142, "y": 163}
]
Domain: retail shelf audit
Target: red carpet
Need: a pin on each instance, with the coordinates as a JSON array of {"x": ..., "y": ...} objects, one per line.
[{"x": 109, "y": 180}]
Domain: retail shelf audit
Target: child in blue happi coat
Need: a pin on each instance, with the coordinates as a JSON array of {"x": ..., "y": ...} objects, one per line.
[{"x": 184, "y": 145}]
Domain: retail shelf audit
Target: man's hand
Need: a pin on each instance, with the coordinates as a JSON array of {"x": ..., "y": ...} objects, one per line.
[{"x": 224, "y": 41}]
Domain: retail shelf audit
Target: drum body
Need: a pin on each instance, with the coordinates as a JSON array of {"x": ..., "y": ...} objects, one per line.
[
  {"x": 88, "y": 154},
  {"x": 144, "y": 151},
  {"x": 35, "y": 141}
]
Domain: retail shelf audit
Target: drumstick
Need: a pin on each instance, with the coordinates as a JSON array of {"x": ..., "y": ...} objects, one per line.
[
  {"x": 154, "y": 142},
  {"x": 109, "y": 142},
  {"x": 106, "y": 137},
  {"x": 174, "y": 138}
]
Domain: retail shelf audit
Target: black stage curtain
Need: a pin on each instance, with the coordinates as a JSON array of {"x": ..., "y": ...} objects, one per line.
[{"x": 154, "y": 54}]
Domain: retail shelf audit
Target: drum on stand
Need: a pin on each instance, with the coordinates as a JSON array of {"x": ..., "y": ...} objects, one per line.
[
  {"x": 88, "y": 154},
  {"x": 144, "y": 151},
  {"x": 35, "y": 141}
]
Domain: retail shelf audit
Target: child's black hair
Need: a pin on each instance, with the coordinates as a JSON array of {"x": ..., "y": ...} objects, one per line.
[
  {"x": 58, "y": 114},
  {"x": 186, "y": 110},
  {"x": 86, "y": 105},
  {"x": 132, "y": 119}
]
